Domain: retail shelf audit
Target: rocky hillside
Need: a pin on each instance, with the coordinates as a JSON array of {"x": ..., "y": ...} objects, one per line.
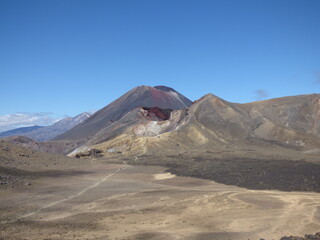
[
  {"x": 19, "y": 165},
  {"x": 57, "y": 147}
]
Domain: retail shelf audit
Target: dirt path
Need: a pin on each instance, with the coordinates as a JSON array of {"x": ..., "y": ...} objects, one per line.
[{"x": 83, "y": 191}]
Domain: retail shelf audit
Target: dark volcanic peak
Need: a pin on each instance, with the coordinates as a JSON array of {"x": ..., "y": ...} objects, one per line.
[
  {"x": 142, "y": 96},
  {"x": 164, "y": 97},
  {"x": 164, "y": 88}
]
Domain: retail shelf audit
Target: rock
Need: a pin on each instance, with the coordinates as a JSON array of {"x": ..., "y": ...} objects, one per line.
[
  {"x": 24, "y": 155},
  {"x": 91, "y": 153},
  {"x": 7, "y": 149},
  {"x": 306, "y": 237},
  {"x": 291, "y": 238},
  {"x": 309, "y": 237},
  {"x": 27, "y": 184}
]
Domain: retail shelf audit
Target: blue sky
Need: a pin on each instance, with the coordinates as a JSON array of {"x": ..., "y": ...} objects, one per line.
[{"x": 61, "y": 58}]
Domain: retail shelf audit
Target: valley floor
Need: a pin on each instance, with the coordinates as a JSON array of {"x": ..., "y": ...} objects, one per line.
[{"x": 96, "y": 200}]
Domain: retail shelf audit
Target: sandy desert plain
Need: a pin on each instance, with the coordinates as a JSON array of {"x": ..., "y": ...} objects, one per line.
[{"x": 69, "y": 198}]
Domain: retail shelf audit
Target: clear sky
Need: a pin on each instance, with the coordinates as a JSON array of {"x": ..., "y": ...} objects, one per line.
[{"x": 61, "y": 57}]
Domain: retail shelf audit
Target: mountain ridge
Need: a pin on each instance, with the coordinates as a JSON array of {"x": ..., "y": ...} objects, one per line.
[
  {"x": 212, "y": 121},
  {"x": 20, "y": 130},
  {"x": 45, "y": 133}
]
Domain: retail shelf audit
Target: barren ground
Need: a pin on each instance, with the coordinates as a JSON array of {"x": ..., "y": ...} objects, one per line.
[{"x": 97, "y": 200}]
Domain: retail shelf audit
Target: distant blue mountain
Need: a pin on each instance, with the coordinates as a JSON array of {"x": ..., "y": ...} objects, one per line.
[
  {"x": 19, "y": 131},
  {"x": 46, "y": 133}
]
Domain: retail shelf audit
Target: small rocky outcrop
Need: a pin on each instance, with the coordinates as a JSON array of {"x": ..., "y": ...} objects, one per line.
[
  {"x": 96, "y": 153},
  {"x": 306, "y": 237}
]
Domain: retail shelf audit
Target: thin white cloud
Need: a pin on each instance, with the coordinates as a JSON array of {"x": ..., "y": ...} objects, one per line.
[
  {"x": 16, "y": 120},
  {"x": 261, "y": 94}
]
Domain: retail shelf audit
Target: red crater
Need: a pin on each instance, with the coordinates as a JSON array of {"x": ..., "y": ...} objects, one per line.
[{"x": 156, "y": 113}]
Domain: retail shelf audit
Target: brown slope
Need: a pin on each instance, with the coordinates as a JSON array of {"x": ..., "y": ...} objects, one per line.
[
  {"x": 293, "y": 120},
  {"x": 290, "y": 121},
  {"x": 142, "y": 96}
]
